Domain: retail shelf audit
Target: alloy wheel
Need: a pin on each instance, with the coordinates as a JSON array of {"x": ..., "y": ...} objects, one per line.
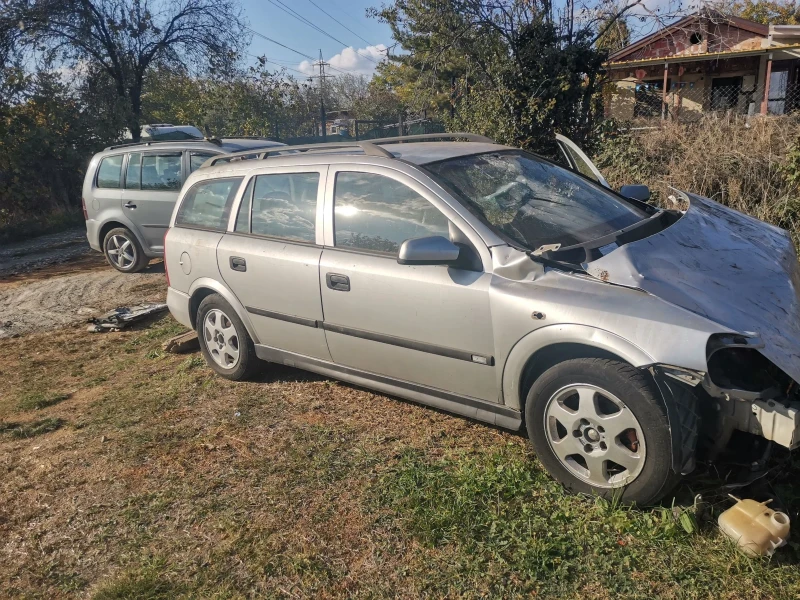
[
  {"x": 221, "y": 338},
  {"x": 594, "y": 435},
  {"x": 121, "y": 251}
]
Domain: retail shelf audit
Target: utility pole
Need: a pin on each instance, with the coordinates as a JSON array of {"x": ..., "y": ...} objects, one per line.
[{"x": 323, "y": 121}]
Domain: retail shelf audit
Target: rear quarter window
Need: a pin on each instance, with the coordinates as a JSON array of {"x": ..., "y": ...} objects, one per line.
[
  {"x": 207, "y": 204},
  {"x": 109, "y": 172}
]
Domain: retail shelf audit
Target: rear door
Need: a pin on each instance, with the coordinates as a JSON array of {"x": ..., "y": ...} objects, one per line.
[
  {"x": 270, "y": 258},
  {"x": 153, "y": 181}
]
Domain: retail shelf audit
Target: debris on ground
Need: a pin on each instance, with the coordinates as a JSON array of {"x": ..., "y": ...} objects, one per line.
[
  {"x": 756, "y": 529},
  {"x": 182, "y": 344},
  {"x": 121, "y": 317}
]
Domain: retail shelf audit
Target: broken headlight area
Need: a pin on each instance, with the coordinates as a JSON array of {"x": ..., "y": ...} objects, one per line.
[{"x": 745, "y": 392}]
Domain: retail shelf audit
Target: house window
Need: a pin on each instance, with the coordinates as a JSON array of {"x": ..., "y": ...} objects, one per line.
[
  {"x": 778, "y": 86},
  {"x": 725, "y": 92},
  {"x": 648, "y": 98}
]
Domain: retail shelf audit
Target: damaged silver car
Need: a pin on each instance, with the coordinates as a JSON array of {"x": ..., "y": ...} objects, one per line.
[{"x": 629, "y": 340}]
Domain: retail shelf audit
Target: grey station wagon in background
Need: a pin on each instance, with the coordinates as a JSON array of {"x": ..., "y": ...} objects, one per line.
[
  {"x": 627, "y": 339},
  {"x": 130, "y": 190}
]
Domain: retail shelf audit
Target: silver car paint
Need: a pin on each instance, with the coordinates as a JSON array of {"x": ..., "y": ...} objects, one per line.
[
  {"x": 724, "y": 266},
  {"x": 106, "y": 206},
  {"x": 502, "y": 302}
]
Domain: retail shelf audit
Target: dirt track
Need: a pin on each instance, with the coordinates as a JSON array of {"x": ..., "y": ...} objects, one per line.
[{"x": 57, "y": 280}]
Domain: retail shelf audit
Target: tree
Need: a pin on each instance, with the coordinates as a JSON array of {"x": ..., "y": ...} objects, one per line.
[
  {"x": 125, "y": 38},
  {"x": 614, "y": 33},
  {"x": 768, "y": 12},
  {"x": 513, "y": 69}
]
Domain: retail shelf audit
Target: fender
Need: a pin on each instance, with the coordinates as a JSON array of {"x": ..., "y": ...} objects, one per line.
[
  {"x": 108, "y": 216},
  {"x": 230, "y": 298},
  {"x": 569, "y": 333}
]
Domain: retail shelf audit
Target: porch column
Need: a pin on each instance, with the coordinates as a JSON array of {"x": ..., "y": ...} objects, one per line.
[
  {"x": 664, "y": 93},
  {"x": 765, "y": 101}
]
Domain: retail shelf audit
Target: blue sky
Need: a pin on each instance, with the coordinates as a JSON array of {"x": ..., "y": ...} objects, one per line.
[{"x": 356, "y": 51}]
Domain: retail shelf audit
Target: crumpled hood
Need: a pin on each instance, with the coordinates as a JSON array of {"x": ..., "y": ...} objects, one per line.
[{"x": 723, "y": 265}]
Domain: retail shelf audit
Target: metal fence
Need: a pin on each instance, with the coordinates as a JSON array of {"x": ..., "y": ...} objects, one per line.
[{"x": 683, "y": 102}]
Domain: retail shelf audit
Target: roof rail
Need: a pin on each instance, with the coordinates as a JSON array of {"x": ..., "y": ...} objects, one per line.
[
  {"x": 214, "y": 141},
  {"x": 425, "y": 137},
  {"x": 369, "y": 147},
  {"x": 260, "y": 153}
]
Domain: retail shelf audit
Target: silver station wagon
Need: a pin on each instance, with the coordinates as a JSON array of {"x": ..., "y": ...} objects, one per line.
[{"x": 480, "y": 279}]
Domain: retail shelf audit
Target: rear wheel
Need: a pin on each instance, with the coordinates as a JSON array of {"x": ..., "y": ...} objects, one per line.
[
  {"x": 600, "y": 427},
  {"x": 224, "y": 341},
  {"x": 123, "y": 251}
]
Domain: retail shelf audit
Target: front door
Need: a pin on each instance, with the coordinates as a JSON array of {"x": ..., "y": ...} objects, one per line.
[
  {"x": 578, "y": 160},
  {"x": 271, "y": 258},
  {"x": 152, "y": 183},
  {"x": 427, "y": 325}
]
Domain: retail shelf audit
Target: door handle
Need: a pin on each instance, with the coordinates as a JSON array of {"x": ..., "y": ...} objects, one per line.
[
  {"x": 129, "y": 205},
  {"x": 238, "y": 263},
  {"x": 339, "y": 283}
]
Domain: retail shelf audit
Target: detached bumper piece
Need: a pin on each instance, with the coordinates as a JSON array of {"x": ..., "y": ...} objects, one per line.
[{"x": 119, "y": 318}]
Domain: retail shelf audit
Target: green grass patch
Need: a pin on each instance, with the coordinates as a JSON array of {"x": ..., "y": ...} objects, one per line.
[
  {"x": 40, "y": 400},
  {"x": 496, "y": 512},
  {"x": 29, "y": 430}
]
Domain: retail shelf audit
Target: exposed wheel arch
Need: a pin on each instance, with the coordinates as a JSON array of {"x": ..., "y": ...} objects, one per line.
[
  {"x": 549, "y": 356},
  {"x": 197, "y": 297},
  {"x": 587, "y": 341}
]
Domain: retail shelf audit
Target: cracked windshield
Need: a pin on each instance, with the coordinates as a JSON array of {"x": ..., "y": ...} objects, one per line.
[{"x": 535, "y": 202}]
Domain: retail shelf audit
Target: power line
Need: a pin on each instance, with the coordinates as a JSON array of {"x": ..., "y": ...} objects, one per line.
[
  {"x": 261, "y": 35},
  {"x": 279, "y": 4},
  {"x": 340, "y": 23}
]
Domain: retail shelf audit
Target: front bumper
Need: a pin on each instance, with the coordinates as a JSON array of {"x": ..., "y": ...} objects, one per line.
[{"x": 178, "y": 304}]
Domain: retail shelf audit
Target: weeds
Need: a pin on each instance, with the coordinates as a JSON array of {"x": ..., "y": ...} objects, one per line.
[
  {"x": 40, "y": 400},
  {"x": 29, "y": 430}
]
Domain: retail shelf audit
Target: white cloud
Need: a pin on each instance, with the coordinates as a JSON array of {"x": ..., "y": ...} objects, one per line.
[{"x": 360, "y": 61}]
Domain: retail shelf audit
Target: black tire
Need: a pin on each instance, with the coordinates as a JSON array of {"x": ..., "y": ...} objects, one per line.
[
  {"x": 635, "y": 389},
  {"x": 111, "y": 249},
  {"x": 247, "y": 363}
]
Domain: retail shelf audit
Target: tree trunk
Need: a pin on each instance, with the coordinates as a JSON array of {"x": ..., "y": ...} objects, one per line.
[{"x": 134, "y": 120}]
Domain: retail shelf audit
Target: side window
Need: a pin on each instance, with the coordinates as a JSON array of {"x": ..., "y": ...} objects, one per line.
[
  {"x": 110, "y": 172},
  {"x": 243, "y": 218},
  {"x": 580, "y": 164},
  {"x": 196, "y": 160},
  {"x": 134, "y": 173},
  {"x": 161, "y": 171},
  {"x": 285, "y": 206},
  {"x": 207, "y": 205},
  {"x": 377, "y": 213}
]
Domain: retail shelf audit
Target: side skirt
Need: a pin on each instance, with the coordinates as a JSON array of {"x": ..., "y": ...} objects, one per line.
[{"x": 489, "y": 412}]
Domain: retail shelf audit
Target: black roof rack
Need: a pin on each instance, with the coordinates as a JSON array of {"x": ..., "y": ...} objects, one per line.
[{"x": 368, "y": 147}]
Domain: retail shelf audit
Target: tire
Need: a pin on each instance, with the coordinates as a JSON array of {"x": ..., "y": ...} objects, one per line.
[
  {"x": 124, "y": 252},
  {"x": 580, "y": 414},
  {"x": 224, "y": 341}
]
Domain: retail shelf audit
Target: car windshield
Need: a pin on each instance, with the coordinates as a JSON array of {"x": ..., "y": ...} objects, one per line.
[{"x": 535, "y": 202}]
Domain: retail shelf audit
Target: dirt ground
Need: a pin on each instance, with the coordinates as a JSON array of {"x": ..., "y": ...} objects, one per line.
[
  {"x": 59, "y": 280},
  {"x": 127, "y": 472}
]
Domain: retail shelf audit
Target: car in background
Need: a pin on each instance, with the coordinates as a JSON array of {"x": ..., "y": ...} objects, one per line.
[
  {"x": 130, "y": 190},
  {"x": 628, "y": 339}
]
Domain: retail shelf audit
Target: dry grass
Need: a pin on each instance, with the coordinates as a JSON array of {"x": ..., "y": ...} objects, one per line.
[
  {"x": 742, "y": 164},
  {"x": 163, "y": 481}
]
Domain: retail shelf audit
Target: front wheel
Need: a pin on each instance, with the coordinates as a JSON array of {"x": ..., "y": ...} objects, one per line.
[{"x": 599, "y": 427}]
